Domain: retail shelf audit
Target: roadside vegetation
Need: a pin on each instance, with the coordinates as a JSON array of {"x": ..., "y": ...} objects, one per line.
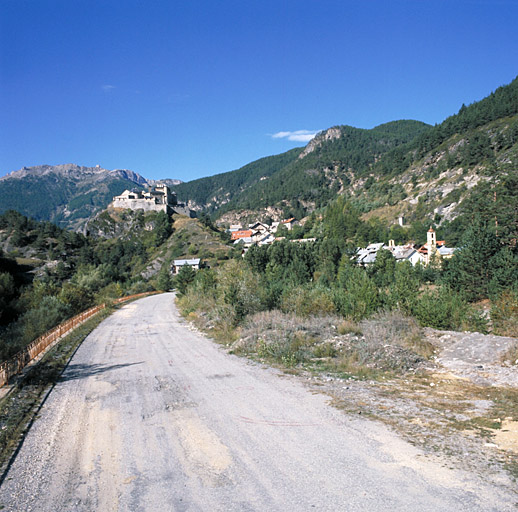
[
  {"x": 360, "y": 334},
  {"x": 476, "y": 290},
  {"x": 19, "y": 407}
]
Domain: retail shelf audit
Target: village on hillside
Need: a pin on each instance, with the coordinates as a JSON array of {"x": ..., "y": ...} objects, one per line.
[
  {"x": 433, "y": 251},
  {"x": 259, "y": 233},
  {"x": 161, "y": 198}
]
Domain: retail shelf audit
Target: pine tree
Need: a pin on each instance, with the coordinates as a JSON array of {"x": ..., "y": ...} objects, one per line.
[{"x": 469, "y": 271}]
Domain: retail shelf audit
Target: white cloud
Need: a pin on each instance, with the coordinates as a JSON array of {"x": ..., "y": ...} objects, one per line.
[
  {"x": 296, "y": 136},
  {"x": 107, "y": 87}
]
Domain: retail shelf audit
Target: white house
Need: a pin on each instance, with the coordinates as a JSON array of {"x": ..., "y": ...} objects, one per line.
[{"x": 178, "y": 264}]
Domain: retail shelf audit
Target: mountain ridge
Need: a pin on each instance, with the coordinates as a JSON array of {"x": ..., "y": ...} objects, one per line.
[
  {"x": 66, "y": 194},
  {"x": 403, "y": 167}
]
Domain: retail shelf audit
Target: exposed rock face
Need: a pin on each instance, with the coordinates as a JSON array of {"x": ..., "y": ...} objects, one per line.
[
  {"x": 327, "y": 135},
  {"x": 76, "y": 172},
  {"x": 246, "y": 216}
]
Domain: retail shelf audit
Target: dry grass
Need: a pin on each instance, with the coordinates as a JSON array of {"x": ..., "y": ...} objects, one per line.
[
  {"x": 286, "y": 338},
  {"x": 393, "y": 341},
  {"x": 504, "y": 314},
  {"x": 212, "y": 317},
  {"x": 349, "y": 326}
]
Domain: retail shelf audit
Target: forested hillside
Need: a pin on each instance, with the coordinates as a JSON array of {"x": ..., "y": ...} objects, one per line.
[
  {"x": 399, "y": 168},
  {"x": 67, "y": 195},
  {"x": 48, "y": 274},
  {"x": 298, "y": 180},
  {"x": 427, "y": 174},
  {"x": 212, "y": 192}
]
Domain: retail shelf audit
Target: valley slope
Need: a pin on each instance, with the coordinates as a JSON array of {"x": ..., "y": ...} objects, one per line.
[{"x": 428, "y": 174}]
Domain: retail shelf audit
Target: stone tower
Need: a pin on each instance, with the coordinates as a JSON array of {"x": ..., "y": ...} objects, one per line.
[{"x": 431, "y": 245}]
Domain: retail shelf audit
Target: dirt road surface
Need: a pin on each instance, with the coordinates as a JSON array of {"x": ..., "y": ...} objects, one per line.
[{"x": 150, "y": 416}]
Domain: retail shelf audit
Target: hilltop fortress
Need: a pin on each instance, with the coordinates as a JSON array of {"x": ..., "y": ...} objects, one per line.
[{"x": 158, "y": 199}]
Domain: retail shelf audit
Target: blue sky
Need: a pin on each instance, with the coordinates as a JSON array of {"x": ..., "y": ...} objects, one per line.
[{"x": 188, "y": 89}]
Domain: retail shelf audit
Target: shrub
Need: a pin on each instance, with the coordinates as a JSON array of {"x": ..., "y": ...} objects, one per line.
[
  {"x": 358, "y": 296},
  {"x": 139, "y": 287},
  {"x": 349, "y": 327},
  {"x": 50, "y": 312},
  {"x": 239, "y": 287},
  {"x": 441, "y": 308},
  {"x": 392, "y": 341},
  {"x": 504, "y": 314},
  {"x": 110, "y": 292},
  {"x": 308, "y": 301},
  {"x": 285, "y": 337},
  {"x": 77, "y": 298},
  {"x": 325, "y": 350},
  {"x": 510, "y": 356}
]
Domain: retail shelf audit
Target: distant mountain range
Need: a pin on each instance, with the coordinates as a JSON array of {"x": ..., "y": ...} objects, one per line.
[
  {"x": 67, "y": 195},
  {"x": 406, "y": 167}
]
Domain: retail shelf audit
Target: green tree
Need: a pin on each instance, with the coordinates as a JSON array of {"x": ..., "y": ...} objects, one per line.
[
  {"x": 7, "y": 294},
  {"x": 469, "y": 271},
  {"x": 383, "y": 269},
  {"x": 504, "y": 272},
  {"x": 356, "y": 295},
  {"x": 403, "y": 291},
  {"x": 162, "y": 228},
  {"x": 164, "y": 279},
  {"x": 184, "y": 278},
  {"x": 76, "y": 298}
]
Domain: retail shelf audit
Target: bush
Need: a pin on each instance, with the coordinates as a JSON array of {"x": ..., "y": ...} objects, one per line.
[
  {"x": 510, "y": 356},
  {"x": 239, "y": 287},
  {"x": 393, "y": 341},
  {"x": 111, "y": 292},
  {"x": 349, "y": 327},
  {"x": 76, "y": 298},
  {"x": 285, "y": 337},
  {"x": 441, "y": 308},
  {"x": 504, "y": 314},
  {"x": 139, "y": 287},
  {"x": 358, "y": 296},
  {"x": 308, "y": 301}
]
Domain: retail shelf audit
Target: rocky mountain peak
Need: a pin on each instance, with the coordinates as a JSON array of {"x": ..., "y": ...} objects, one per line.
[{"x": 322, "y": 137}]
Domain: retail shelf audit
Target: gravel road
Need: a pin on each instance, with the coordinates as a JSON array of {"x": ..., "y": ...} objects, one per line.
[{"x": 152, "y": 416}]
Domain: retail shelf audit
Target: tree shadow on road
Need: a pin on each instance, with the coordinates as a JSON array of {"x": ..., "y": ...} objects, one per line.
[{"x": 83, "y": 371}]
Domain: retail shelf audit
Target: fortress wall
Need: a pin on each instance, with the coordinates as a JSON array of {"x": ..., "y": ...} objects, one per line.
[
  {"x": 139, "y": 204},
  {"x": 183, "y": 210}
]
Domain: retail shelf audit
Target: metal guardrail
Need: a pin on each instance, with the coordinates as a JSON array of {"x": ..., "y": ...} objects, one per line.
[{"x": 19, "y": 361}]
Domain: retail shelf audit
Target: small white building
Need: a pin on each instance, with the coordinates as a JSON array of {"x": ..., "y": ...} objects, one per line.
[
  {"x": 259, "y": 227},
  {"x": 266, "y": 239},
  {"x": 405, "y": 253},
  {"x": 178, "y": 264},
  {"x": 367, "y": 255}
]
